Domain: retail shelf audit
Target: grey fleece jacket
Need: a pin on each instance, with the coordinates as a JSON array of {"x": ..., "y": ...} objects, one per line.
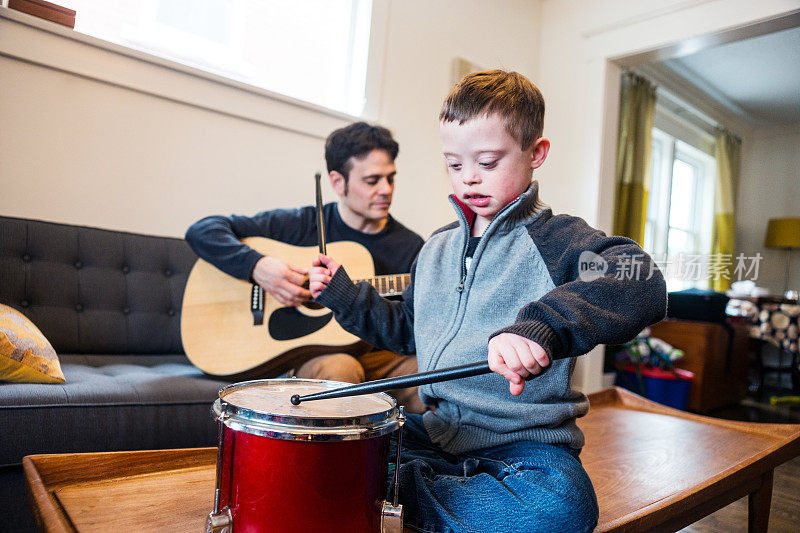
[{"x": 524, "y": 279}]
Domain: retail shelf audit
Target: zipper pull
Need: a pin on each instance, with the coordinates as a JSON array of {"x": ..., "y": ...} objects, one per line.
[{"x": 460, "y": 287}]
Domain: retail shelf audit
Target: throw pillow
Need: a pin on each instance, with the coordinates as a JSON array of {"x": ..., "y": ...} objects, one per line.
[{"x": 26, "y": 356}]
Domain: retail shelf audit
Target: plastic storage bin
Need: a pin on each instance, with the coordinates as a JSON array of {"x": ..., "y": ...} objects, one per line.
[{"x": 663, "y": 386}]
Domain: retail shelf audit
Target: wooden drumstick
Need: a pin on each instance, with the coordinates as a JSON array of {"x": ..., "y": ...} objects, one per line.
[
  {"x": 401, "y": 382},
  {"x": 320, "y": 218}
]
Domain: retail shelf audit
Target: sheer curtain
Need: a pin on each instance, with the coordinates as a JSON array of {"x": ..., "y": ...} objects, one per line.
[
  {"x": 636, "y": 110},
  {"x": 723, "y": 234}
]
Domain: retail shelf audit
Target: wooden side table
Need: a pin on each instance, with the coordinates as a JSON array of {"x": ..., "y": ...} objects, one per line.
[
  {"x": 718, "y": 379},
  {"x": 158, "y": 490}
]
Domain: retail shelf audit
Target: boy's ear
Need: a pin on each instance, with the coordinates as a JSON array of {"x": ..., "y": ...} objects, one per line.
[
  {"x": 540, "y": 149},
  {"x": 338, "y": 182}
]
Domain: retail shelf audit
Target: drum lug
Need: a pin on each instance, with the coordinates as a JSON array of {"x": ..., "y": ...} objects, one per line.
[
  {"x": 221, "y": 522},
  {"x": 392, "y": 513},
  {"x": 391, "y": 518}
]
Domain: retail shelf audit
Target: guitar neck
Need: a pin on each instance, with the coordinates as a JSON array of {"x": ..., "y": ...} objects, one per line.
[{"x": 390, "y": 285}]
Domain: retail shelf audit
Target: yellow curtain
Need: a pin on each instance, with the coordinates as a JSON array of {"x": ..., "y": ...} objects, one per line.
[
  {"x": 723, "y": 235},
  {"x": 637, "y": 106}
]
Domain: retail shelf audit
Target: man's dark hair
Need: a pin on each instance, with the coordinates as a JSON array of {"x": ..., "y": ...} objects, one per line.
[{"x": 356, "y": 140}]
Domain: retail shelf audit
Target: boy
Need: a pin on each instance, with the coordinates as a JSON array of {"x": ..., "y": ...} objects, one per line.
[{"x": 502, "y": 283}]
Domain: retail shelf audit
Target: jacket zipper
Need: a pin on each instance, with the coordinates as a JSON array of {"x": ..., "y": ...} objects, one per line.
[
  {"x": 462, "y": 279},
  {"x": 436, "y": 353},
  {"x": 460, "y": 213}
]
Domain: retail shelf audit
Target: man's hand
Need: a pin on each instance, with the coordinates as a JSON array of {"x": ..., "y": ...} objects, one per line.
[
  {"x": 321, "y": 273},
  {"x": 516, "y": 358},
  {"x": 282, "y": 280}
]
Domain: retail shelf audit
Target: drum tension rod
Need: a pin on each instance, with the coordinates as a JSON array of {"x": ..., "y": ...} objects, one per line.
[
  {"x": 219, "y": 520},
  {"x": 392, "y": 513},
  {"x": 402, "y": 420}
]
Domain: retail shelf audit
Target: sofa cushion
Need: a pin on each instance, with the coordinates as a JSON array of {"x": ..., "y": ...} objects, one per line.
[
  {"x": 95, "y": 291},
  {"x": 109, "y": 403},
  {"x": 26, "y": 356}
]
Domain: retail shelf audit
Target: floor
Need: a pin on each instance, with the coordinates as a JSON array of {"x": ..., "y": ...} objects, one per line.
[{"x": 785, "y": 510}]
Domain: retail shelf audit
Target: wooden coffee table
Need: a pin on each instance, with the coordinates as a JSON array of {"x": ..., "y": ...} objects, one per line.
[
  {"x": 653, "y": 468},
  {"x": 161, "y": 490}
]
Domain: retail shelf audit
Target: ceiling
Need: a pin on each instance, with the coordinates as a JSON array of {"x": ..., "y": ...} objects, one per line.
[{"x": 756, "y": 79}]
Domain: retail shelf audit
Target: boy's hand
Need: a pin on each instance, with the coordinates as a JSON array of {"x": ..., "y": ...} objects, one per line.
[
  {"x": 516, "y": 358},
  {"x": 281, "y": 280},
  {"x": 320, "y": 274}
]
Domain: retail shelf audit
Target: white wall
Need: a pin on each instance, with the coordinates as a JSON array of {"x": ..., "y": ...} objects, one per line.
[
  {"x": 94, "y": 137},
  {"x": 97, "y": 137},
  {"x": 769, "y": 187},
  {"x": 583, "y": 45}
]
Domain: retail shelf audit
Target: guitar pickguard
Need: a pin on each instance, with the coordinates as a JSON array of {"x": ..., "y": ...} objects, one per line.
[{"x": 287, "y": 323}]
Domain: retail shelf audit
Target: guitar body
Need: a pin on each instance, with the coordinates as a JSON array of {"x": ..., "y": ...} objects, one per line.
[{"x": 217, "y": 324}]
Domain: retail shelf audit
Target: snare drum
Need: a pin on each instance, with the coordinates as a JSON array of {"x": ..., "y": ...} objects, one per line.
[{"x": 319, "y": 466}]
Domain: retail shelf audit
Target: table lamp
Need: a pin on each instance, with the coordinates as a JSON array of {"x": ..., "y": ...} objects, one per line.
[{"x": 784, "y": 233}]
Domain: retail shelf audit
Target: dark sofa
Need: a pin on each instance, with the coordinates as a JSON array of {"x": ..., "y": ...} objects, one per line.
[{"x": 109, "y": 302}]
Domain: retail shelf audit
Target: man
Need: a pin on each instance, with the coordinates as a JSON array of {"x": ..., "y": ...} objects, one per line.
[{"x": 360, "y": 160}]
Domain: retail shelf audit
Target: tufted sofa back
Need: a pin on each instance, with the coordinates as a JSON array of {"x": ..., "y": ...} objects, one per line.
[{"x": 94, "y": 291}]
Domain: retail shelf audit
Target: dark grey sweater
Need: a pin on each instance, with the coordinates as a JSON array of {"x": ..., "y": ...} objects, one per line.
[{"x": 524, "y": 278}]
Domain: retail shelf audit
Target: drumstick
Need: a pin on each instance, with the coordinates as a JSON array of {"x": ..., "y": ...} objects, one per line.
[
  {"x": 320, "y": 220},
  {"x": 401, "y": 382}
]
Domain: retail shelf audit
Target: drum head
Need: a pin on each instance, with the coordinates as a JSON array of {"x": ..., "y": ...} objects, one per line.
[{"x": 263, "y": 407}]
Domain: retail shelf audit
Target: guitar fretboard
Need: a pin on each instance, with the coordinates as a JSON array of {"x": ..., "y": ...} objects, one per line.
[{"x": 391, "y": 285}]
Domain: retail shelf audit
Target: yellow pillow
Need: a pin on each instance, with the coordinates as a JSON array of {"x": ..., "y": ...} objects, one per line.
[{"x": 26, "y": 356}]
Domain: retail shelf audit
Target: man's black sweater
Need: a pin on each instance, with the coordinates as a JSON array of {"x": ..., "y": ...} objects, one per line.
[{"x": 216, "y": 238}]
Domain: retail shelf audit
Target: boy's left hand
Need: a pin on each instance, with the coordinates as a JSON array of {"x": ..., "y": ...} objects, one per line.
[
  {"x": 319, "y": 275},
  {"x": 516, "y": 358}
]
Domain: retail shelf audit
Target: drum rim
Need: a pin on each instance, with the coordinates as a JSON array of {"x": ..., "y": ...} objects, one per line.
[{"x": 286, "y": 427}]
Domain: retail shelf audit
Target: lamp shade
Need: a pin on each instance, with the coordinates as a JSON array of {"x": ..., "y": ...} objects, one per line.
[{"x": 783, "y": 233}]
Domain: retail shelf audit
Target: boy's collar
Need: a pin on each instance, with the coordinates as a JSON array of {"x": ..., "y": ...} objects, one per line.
[
  {"x": 529, "y": 202},
  {"x": 469, "y": 214}
]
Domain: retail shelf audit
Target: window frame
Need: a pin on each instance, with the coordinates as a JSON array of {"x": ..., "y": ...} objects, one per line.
[
  {"x": 703, "y": 215},
  {"x": 154, "y": 33},
  {"x": 158, "y": 39},
  {"x": 46, "y": 44},
  {"x": 666, "y": 149}
]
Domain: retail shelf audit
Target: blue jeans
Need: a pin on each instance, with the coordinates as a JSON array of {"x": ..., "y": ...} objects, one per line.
[{"x": 523, "y": 486}]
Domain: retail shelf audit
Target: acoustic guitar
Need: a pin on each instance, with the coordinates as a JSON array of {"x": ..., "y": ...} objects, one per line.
[{"x": 232, "y": 328}]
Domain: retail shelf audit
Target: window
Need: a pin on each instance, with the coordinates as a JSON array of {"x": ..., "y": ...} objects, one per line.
[
  {"x": 315, "y": 50},
  {"x": 680, "y": 210}
]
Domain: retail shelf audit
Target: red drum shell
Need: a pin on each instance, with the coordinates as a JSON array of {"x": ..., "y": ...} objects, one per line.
[
  {"x": 291, "y": 479},
  {"x": 285, "y": 486}
]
